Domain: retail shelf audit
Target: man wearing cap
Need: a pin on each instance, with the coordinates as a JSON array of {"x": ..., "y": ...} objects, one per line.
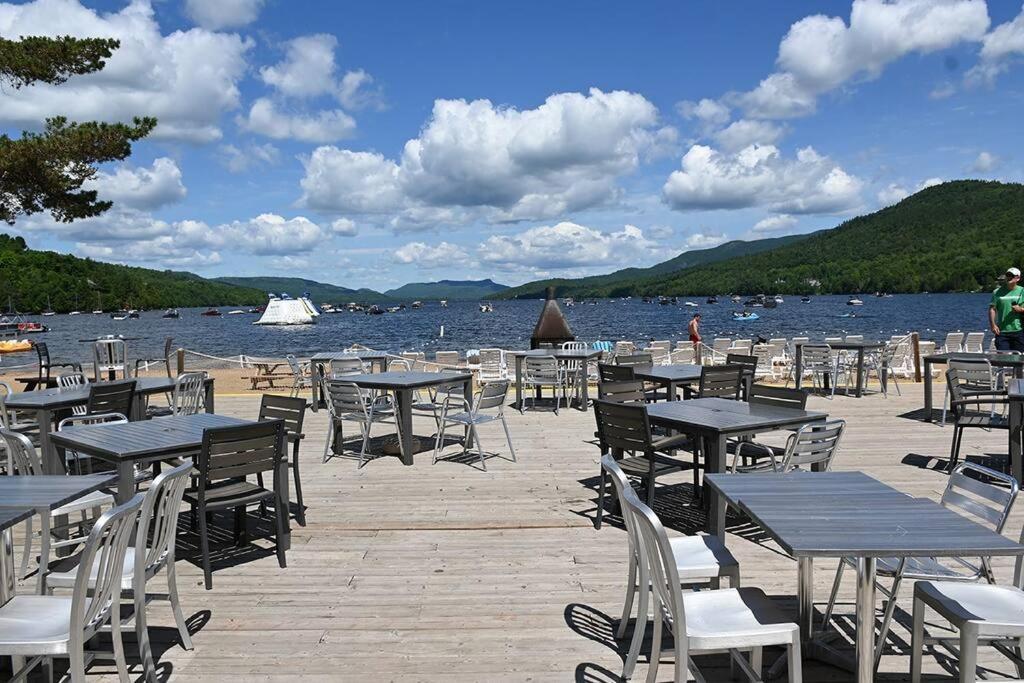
[{"x": 1004, "y": 313}]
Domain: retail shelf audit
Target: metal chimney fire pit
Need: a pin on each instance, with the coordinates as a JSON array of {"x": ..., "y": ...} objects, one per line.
[{"x": 552, "y": 328}]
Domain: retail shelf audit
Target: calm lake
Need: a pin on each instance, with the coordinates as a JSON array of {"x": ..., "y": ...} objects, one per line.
[{"x": 511, "y": 324}]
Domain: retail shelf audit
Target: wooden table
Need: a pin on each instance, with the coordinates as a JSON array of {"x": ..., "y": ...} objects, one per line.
[
  {"x": 714, "y": 420},
  {"x": 403, "y": 384},
  {"x": 860, "y": 347},
  {"x": 669, "y": 376},
  {"x": 563, "y": 356},
  {"x": 376, "y": 359},
  {"x": 52, "y": 404},
  {"x": 9, "y": 516},
  {"x": 996, "y": 359},
  {"x": 44, "y": 493},
  {"x": 849, "y": 514}
]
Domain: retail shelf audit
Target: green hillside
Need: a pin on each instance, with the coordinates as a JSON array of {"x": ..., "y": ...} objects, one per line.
[
  {"x": 454, "y": 290},
  {"x": 319, "y": 292},
  {"x": 28, "y": 277},
  {"x": 624, "y": 282},
  {"x": 954, "y": 237}
]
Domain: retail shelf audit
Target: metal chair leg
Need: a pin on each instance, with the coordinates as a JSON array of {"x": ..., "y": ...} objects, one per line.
[
  {"x": 917, "y": 642},
  {"x": 172, "y": 596},
  {"x": 479, "y": 447},
  {"x": 834, "y": 594},
  {"x": 508, "y": 437},
  {"x": 627, "y": 605}
]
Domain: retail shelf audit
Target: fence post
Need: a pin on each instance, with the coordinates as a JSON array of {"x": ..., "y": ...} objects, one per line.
[
  {"x": 915, "y": 340},
  {"x": 181, "y": 361}
]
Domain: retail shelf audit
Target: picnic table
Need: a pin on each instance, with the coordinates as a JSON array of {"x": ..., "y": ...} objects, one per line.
[
  {"x": 849, "y": 514},
  {"x": 267, "y": 372},
  {"x": 996, "y": 358},
  {"x": 564, "y": 357},
  {"x": 860, "y": 347}
]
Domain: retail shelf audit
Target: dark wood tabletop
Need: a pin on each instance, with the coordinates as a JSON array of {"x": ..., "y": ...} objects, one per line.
[
  {"x": 49, "y": 491},
  {"x": 996, "y": 358},
  {"x": 143, "y": 439},
  {"x": 723, "y": 416},
  {"x": 405, "y": 380},
  {"x": 562, "y": 354},
  {"x": 849, "y": 514},
  {"x": 684, "y": 372},
  {"x": 50, "y": 399},
  {"x": 9, "y": 516}
]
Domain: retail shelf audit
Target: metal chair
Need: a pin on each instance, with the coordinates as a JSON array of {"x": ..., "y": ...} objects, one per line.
[
  {"x": 813, "y": 446},
  {"x": 984, "y": 415},
  {"x": 635, "y": 359},
  {"x": 166, "y": 360},
  {"x": 609, "y": 372},
  {"x": 152, "y": 552},
  {"x": 24, "y": 460},
  {"x": 301, "y": 379},
  {"x": 625, "y": 428},
  {"x": 883, "y": 364},
  {"x": 545, "y": 371},
  {"x": 73, "y": 380},
  {"x": 46, "y": 365},
  {"x": 734, "y": 619},
  {"x": 973, "y": 375},
  {"x": 987, "y": 614},
  {"x": 110, "y": 357},
  {"x": 987, "y": 504},
  {"x": 73, "y": 460},
  {"x": 346, "y": 403},
  {"x": 188, "y": 397},
  {"x": 490, "y": 397},
  {"x": 699, "y": 559},
  {"x": 817, "y": 361},
  {"x": 292, "y": 412},
  {"x": 16, "y": 420},
  {"x": 111, "y": 397},
  {"x": 46, "y": 626},
  {"x": 228, "y": 455},
  {"x": 721, "y": 381},
  {"x": 492, "y": 366},
  {"x": 347, "y": 367}
]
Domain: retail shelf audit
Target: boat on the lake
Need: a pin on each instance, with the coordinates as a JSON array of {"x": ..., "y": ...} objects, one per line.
[
  {"x": 691, "y": 304},
  {"x": 745, "y": 315},
  {"x": 444, "y": 303},
  {"x": 711, "y": 300},
  {"x": 171, "y": 313},
  {"x": 417, "y": 304},
  {"x": 237, "y": 311},
  {"x": 374, "y": 310},
  {"x": 486, "y": 308},
  {"x": 48, "y": 311},
  {"x": 211, "y": 313},
  {"x": 805, "y": 299},
  {"x": 854, "y": 301}
]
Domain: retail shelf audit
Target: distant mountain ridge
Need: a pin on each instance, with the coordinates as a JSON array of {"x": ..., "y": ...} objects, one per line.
[
  {"x": 622, "y": 282},
  {"x": 319, "y": 292},
  {"x": 454, "y": 290}
]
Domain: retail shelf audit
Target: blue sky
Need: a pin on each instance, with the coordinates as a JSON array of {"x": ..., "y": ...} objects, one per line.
[{"x": 373, "y": 144}]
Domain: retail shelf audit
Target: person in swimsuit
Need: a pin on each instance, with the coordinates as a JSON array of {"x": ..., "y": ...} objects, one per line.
[{"x": 694, "y": 330}]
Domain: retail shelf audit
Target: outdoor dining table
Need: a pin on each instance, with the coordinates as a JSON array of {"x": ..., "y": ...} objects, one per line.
[
  {"x": 860, "y": 347},
  {"x": 51, "y": 404},
  {"x": 42, "y": 493},
  {"x": 849, "y": 514},
  {"x": 564, "y": 357},
  {"x": 997, "y": 359},
  {"x": 671, "y": 377},
  {"x": 376, "y": 359},
  {"x": 715, "y": 420},
  {"x": 403, "y": 384}
]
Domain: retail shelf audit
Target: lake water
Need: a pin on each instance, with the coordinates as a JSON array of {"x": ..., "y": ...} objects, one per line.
[{"x": 511, "y": 324}]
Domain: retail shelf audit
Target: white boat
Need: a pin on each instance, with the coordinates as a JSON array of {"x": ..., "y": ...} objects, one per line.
[
  {"x": 75, "y": 313},
  {"x": 417, "y": 304},
  {"x": 854, "y": 301},
  {"x": 284, "y": 310},
  {"x": 444, "y": 303},
  {"x": 691, "y": 304},
  {"x": 486, "y": 308},
  {"x": 236, "y": 312},
  {"x": 779, "y": 299}
]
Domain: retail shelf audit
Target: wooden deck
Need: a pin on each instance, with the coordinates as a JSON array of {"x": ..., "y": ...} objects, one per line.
[{"x": 446, "y": 573}]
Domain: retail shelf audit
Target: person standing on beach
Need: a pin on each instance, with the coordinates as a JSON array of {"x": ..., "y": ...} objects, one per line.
[
  {"x": 694, "y": 330},
  {"x": 1004, "y": 313}
]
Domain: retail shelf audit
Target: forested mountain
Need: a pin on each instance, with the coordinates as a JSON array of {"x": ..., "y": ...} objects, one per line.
[
  {"x": 28, "y": 278},
  {"x": 622, "y": 282},
  {"x": 954, "y": 237},
  {"x": 319, "y": 292},
  {"x": 455, "y": 290}
]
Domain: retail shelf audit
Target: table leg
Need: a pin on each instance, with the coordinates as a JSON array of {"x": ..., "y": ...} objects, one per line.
[
  {"x": 672, "y": 388},
  {"x": 799, "y": 366},
  {"x": 860, "y": 372},
  {"x": 927, "y": 390},
  {"x": 125, "y": 481},
  {"x": 282, "y": 471},
  {"x": 519, "y": 383},
  {"x": 865, "y": 646},
  {"x": 51, "y": 462},
  {"x": 404, "y": 415},
  {"x": 467, "y": 393},
  {"x": 805, "y": 597},
  {"x": 714, "y": 463},
  {"x": 584, "y": 387},
  {"x": 208, "y": 401},
  {"x": 314, "y": 373},
  {"x": 1016, "y": 432},
  {"x": 6, "y": 566}
]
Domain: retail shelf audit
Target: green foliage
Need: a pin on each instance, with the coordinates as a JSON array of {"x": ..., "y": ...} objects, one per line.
[
  {"x": 45, "y": 171},
  {"x": 319, "y": 292},
  {"x": 73, "y": 283},
  {"x": 954, "y": 237},
  {"x": 455, "y": 290}
]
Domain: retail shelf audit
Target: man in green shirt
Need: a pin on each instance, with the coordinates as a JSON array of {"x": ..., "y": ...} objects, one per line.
[{"x": 1004, "y": 313}]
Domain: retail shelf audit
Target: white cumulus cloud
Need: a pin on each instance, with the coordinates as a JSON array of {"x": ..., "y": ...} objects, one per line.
[
  {"x": 240, "y": 159},
  {"x": 267, "y": 119},
  {"x": 307, "y": 69},
  {"x": 566, "y": 245},
  {"x": 777, "y": 223},
  {"x": 345, "y": 227},
  {"x": 430, "y": 256},
  {"x": 187, "y": 79},
  {"x": 761, "y": 176},
  {"x": 140, "y": 187},
  {"x": 1003, "y": 45},
  {"x": 894, "y": 192},
  {"x": 705, "y": 240},
  {"x": 218, "y": 14},
  {"x": 984, "y": 162}
]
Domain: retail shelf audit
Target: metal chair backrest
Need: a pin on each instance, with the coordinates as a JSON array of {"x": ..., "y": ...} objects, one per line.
[
  {"x": 22, "y": 458},
  {"x": 682, "y": 355},
  {"x": 291, "y": 411},
  {"x": 491, "y": 365},
  {"x": 447, "y": 359},
  {"x": 294, "y": 364},
  {"x": 635, "y": 359},
  {"x": 574, "y": 346},
  {"x": 399, "y": 365},
  {"x": 111, "y": 397},
  {"x": 100, "y": 569},
  {"x": 72, "y": 380},
  {"x": 721, "y": 381},
  {"x": 621, "y": 484},
  {"x": 347, "y": 366},
  {"x": 237, "y": 451},
  {"x": 110, "y": 356},
  {"x": 954, "y": 342},
  {"x": 747, "y": 362},
  {"x": 813, "y": 445},
  {"x": 609, "y": 372},
  {"x": 974, "y": 342},
  {"x": 158, "y": 522},
  {"x": 988, "y": 504},
  {"x": 968, "y": 375},
  {"x": 541, "y": 368},
  {"x": 44, "y": 359},
  {"x": 491, "y": 396},
  {"x": 621, "y": 392},
  {"x": 5, "y": 391},
  {"x": 816, "y": 356},
  {"x": 189, "y": 396},
  {"x": 780, "y": 397},
  {"x": 344, "y": 398},
  {"x": 623, "y": 425},
  {"x": 168, "y": 347}
]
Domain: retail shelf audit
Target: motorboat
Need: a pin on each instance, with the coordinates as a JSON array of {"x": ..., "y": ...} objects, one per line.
[
  {"x": 374, "y": 310},
  {"x": 133, "y": 314},
  {"x": 711, "y": 300},
  {"x": 854, "y": 301},
  {"x": 444, "y": 303},
  {"x": 486, "y": 308},
  {"x": 778, "y": 299},
  {"x": 237, "y": 311},
  {"x": 736, "y": 298},
  {"x": 691, "y": 304},
  {"x": 745, "y": 315},
  {"x": 805, "y": 299},
  {"x": 171, "y": 313},
  {"x": 211, "y": 313},
  {"x": 75, "y": 313},
  {"x": 417, "y": 304},
  {"x": 394, "y": 309}
]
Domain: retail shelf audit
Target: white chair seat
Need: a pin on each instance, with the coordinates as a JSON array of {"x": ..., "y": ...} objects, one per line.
[
  {"x": 702, "y": 556},
  {"x": 724, "y": 618},
  {"x": 87, "y": 502},
  {"x": 35, "y": 624},
  {"x": 66, "y": 579},
  {"x": 991, "y": 609}
]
